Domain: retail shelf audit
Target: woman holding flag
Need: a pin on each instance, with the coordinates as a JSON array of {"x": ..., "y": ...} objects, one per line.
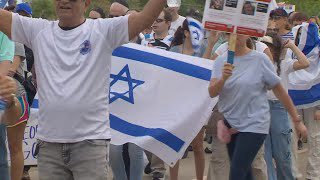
[
  {"x": 303, "y": 89},
  {"x": 242, "y": 89},
  {"x": 278, "y": 142},
  {"x": 185, "y": 43}
]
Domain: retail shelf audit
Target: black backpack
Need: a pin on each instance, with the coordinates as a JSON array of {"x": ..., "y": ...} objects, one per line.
[{"x": 27, "y": 81}]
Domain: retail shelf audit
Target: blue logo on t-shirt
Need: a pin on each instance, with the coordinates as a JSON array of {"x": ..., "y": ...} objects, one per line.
[{"x": 85, "y": 47}]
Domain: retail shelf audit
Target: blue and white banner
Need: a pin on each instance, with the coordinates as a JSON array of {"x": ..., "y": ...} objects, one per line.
[
  {"x": 197, "y": 33},
  {"x": 3, "y": 3},
  {"x": 159, "y": 100},
  {"x": 304, "y": 85}
]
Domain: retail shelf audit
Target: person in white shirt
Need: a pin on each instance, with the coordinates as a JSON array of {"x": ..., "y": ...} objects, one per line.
[
  {"x": 278, "y": 142},
  {"x": 177, "y": 20},
  {"x": 73, "y": 62},
  {"x": 160, "y": 38}
]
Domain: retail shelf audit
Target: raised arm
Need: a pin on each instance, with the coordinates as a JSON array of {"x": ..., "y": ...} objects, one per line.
[
  {"x": 212, "y": 40},
  {"x": 144, "y": 19},
  {"x": 303, "y": 61},
  {"x": 6, "y": 22}
]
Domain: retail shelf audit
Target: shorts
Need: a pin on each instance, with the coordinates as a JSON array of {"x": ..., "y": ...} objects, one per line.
[{"x": 25, "y": 110}]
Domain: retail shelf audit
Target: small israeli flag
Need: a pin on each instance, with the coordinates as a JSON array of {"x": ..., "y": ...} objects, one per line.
[{"x": 197, "y": 33}]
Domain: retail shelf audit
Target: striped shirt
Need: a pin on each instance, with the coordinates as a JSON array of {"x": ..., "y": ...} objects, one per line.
[
  {"x": 158, "y": 43},
  {"x": 289, "y": 35}
]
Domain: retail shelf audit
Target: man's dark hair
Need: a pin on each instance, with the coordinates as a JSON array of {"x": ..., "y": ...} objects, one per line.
[
  {"x": 100, "y": 11},
  {"x": 167, "y": 15},
  {"x": 299, "y": 16},
  {"x": 123, "y": 3},
  {"x": 10, "y": 8}
]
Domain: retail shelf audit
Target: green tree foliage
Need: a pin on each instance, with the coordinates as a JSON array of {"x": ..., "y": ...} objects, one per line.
[
  {"x": 45, "y": 9},
  {"x": 310, "y": 7}
]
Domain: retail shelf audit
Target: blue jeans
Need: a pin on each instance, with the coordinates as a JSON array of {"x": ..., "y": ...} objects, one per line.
[
  {"x": 117, "y": 164},
  {"x": 278, "y": 144},
  {"x": 4, "y": 169},
  {"x": 242, "y": 150}
]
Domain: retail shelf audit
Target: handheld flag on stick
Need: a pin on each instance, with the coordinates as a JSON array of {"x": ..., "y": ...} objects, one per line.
[{"x": 197, "y": 33}]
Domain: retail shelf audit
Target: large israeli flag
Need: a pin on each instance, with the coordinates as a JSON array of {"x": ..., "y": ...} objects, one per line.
[
  {"x": 158, "y": 99},
  {"x": 304, "y": 85}
]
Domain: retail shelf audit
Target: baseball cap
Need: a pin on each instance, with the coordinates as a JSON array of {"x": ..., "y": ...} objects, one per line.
[
  {"x": 279, "y": 12},
  {"x": 24, "y": 7}
]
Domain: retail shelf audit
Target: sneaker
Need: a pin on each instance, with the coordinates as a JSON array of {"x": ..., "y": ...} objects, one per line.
[
  {"x": 157, "y": 175},
  {"x": 25, "y": 175},
  {"x": 207, "y": 150},
  {"x": 147, "y": 169},
  {"x": 185, "y": 155}
]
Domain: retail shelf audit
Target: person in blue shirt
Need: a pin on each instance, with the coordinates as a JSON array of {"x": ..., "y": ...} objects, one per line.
[{"x": 7, "y": 93}]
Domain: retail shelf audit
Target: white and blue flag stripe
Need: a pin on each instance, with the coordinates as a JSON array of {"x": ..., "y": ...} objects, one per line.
[{"x": 304, "y": 85}]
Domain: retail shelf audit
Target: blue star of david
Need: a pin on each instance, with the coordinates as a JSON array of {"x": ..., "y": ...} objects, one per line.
[
  {"x": 124, "y": 75},
  {"x": 197, "y": 34}
]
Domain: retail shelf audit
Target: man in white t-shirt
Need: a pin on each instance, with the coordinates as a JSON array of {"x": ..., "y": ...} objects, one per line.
[
  {"x": 177, "y": 20},
  {"x": 73, "y": 62}
]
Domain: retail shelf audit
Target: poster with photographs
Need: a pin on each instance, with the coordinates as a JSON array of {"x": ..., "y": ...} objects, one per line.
[{"x": 247, "y": 17}]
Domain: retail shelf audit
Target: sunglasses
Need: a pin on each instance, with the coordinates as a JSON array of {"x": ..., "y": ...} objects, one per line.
[
  {"x": 159, "y": 20},
  {"x": 275, "y": 18},
  {"x": 112, "y": 16}
]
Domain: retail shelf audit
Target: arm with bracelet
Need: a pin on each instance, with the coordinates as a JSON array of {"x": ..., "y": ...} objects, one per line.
[{"x": 284, "y": 98}]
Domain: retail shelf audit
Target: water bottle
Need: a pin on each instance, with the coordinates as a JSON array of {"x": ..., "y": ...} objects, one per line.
[
  {"x": 174, "y": 3},
  {"x": 3, "y": 106}
]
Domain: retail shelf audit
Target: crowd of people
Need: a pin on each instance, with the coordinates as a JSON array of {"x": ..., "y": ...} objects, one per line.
[{"x": 254, "y": 129}]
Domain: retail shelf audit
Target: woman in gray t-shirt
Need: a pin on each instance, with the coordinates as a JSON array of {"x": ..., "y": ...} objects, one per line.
[{"x": 242, "y": 89}]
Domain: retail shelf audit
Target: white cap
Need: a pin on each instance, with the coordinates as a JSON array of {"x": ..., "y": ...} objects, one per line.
[{"x": 174, "y": 3}]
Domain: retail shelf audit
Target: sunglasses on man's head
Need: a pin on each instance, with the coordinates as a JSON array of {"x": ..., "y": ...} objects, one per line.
[{"x": 159, "y": 20}]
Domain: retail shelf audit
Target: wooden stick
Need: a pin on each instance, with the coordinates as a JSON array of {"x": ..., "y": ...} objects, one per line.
[{"x": 232, "y": 47}]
